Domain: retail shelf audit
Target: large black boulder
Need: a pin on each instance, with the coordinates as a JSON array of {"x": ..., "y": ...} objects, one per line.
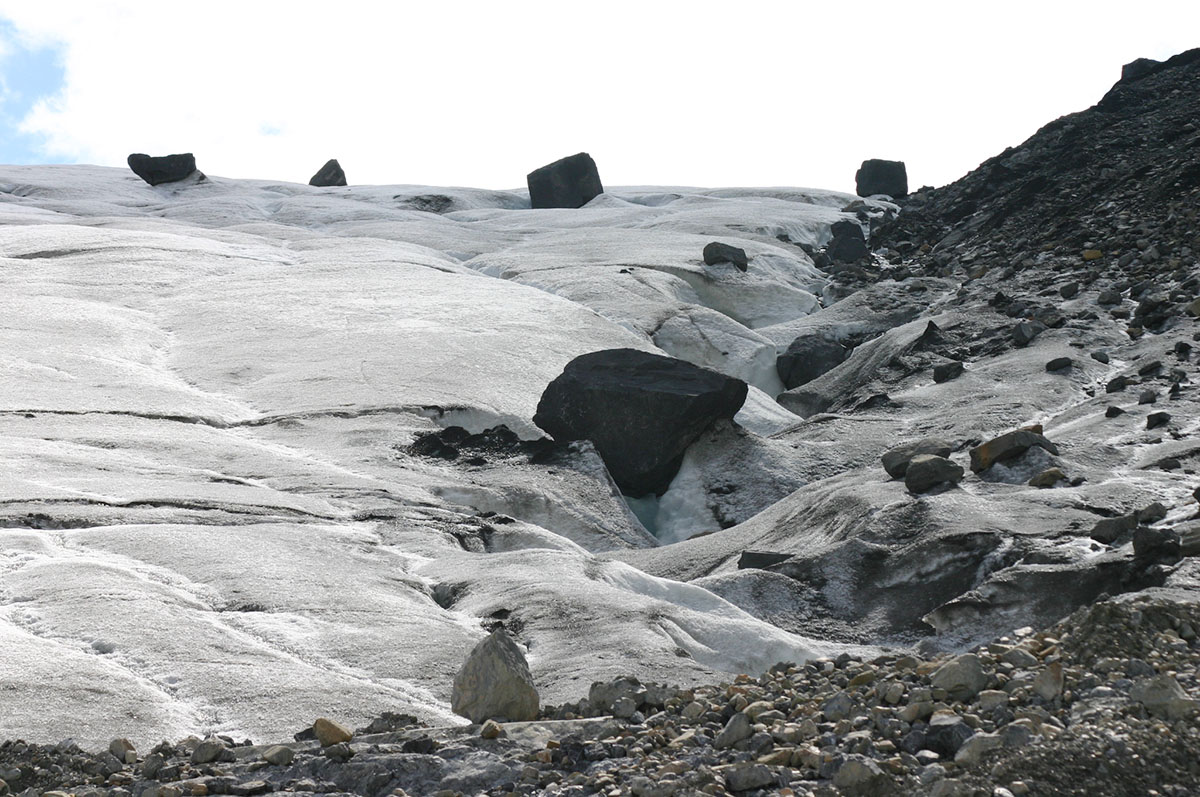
[
  {"x": 717, "y": 252},
  {"x": 329, "y": 175},
  {"x": 162, "y": 169},
  {"x": 881, "y": 177},
  {"x": 848, "y": 243},
  {"x": 640, "y": 410},
  {"x": 568, "y": 183},
  {"x": 1139, "y": 67},
  {"x": 808, "y": 357}
]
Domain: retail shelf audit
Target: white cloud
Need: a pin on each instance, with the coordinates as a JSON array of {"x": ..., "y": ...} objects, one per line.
[{"x": 479, "y": 93}]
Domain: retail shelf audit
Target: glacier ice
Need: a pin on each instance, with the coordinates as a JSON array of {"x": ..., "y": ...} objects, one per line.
[{"x": 210, "y": 518}]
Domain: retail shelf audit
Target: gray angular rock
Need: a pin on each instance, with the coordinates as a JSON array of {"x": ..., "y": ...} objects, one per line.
[
  {"x": 1059, "y": 364},
  {"x": 1156, "y": 545},
  {"x": 1189, "y": 539},
  {"x": 927, "y": 471},
  {"x": 895, "y": 460},
  {"x": 807, "y": 357},
  {"x": 279, "y": 755},
  {"x": 860, "y": 776},
  {"x": 747, "y": 776},
  {"x": 947, "y": 732},
  {"x": 122, "y": 748},
  {"x": 738, "y": 728},
  {"x": 1156, "y": 419},
  {"x": 495, "y": 682},
  {"x": 570, "y": 182},
  {"x": 1163, "y": 697},
  {"x": 1152, "y": 513},
  {"x": 1025, "y": 331},
  {"x": 624, "y": 707},
  {"x": 603, "y": 694},
  {"x": 837, "y": 707},
  {"x": 1109, "y": 529},
  {"x": 944, "y": 372},
  {"x": 1049, "y": 682},
  {"x": 963, "y": 677},
  {"x": 208, "y": 750}
]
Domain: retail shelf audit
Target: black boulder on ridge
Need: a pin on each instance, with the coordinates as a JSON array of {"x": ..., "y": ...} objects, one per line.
[
  {"x": 329, "y": 176},
  {"x": 640, "y": 410},
  {"x": 881, "y": 177},
  {"x": 163, "y": 168},
  {"x": 568, "y": 183}
]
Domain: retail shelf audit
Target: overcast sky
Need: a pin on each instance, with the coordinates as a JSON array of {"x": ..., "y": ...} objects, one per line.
[{"x": 479, "y": 93}]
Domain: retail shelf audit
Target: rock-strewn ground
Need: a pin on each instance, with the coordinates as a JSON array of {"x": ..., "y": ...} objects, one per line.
[{"x": 1103, "y": 703}]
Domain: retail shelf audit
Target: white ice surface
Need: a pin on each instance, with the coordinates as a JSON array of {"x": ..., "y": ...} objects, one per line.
[{"x": 209, "y": 518}]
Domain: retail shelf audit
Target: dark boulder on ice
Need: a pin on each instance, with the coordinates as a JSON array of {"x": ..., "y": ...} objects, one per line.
[
  {"x": 758, "y": 560},
  {"x": 717, "y": 252},
  {"x": 330, "y": 174},
  {"x": 848, "y": 243},
  {"x": 881, "y": 177},
  {"x": 640, "y": 410},
  {"x": 162, "y": 169},
  {"x": 568, "y": 183},
  {"x": 1008, "y": 446},
  {"x": 1156, "y": 545},
  {"x": 926, "y": 471},
  {"x": 808, "y": 357},
  {"x": 895, "y": 460},
  {"x": 944, "y": 372}
]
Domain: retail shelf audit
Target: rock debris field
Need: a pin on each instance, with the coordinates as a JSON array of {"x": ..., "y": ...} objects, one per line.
[{"x": 399, "y": 490}]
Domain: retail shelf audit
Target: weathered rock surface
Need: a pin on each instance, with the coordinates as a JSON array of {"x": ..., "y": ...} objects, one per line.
[
  {"x": 641, "y": 411},
  {"x": 495, "y": 682}
]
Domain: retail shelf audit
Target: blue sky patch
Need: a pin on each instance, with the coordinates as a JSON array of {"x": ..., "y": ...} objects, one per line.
[{"x": 26, "y": 76}]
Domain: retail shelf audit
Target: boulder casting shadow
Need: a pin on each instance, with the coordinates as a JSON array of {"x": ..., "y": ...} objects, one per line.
[{"x": 640, "y": 410}]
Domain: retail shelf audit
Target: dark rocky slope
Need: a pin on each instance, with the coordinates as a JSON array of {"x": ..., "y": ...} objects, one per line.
[{"x": 1055, "y": 286}]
